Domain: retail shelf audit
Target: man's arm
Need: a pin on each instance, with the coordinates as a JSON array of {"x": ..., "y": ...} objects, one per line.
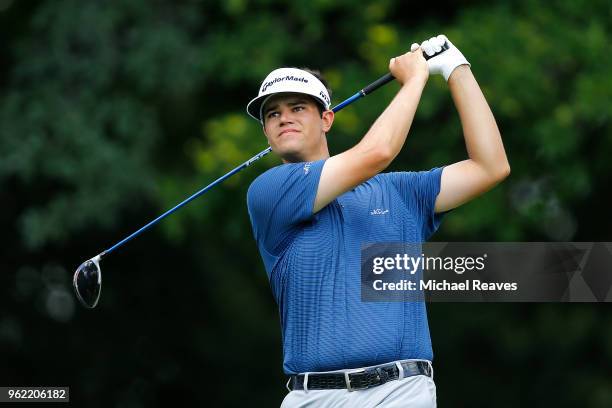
[
  {"x": 487, "y": 164},
  {"x": 385, "y": 138}
]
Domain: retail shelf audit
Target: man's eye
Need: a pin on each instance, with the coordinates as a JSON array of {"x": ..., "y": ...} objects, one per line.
[
  {"x": 298, "y": 108},
  {"x": 272, "y": 114}
]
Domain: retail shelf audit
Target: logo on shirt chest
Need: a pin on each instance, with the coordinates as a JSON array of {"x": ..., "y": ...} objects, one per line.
[{"x": 378, "y": 211}]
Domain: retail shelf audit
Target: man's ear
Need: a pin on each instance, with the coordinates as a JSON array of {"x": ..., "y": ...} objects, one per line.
[{"x": 328, "y": 120}]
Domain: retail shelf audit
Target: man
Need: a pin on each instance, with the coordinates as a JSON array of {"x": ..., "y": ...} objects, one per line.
[{"x": 311, "y": 214}]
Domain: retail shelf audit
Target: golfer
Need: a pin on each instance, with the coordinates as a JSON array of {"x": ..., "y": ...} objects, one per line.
[{"x": 311, "y": 214}]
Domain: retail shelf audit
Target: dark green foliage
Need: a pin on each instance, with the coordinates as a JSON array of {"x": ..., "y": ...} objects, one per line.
[{"x": 111, "y": 112}]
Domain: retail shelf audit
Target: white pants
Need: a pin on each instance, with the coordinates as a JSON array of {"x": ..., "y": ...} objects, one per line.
[{"x": 418, "y": 391}]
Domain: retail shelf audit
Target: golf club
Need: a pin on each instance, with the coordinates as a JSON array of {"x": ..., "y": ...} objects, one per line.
[{"x": 87, "y": 280}]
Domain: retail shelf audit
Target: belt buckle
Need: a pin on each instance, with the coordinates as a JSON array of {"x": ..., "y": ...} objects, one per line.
[{"x": 347, "y": 379}]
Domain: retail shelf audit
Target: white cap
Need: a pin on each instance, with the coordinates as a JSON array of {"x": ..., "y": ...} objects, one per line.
[{"x": 288, "y": 80}]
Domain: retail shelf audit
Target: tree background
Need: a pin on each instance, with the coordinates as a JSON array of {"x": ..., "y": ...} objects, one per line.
[{"x": 112, "y": 112}]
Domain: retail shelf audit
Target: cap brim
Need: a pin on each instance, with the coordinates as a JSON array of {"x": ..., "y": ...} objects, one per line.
[{"x": 254, "y": 107}]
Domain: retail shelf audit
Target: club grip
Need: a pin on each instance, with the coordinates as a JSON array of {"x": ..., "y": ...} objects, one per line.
[
  {"x": 388, "y": 77},
  {"x": 444, "y": 48}
]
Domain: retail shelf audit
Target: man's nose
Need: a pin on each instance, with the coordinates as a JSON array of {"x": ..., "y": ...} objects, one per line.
[{"x": 285, "y": 116}]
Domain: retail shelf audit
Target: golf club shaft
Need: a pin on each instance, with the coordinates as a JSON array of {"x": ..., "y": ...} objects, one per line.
[{"x": 383, "y": 80}]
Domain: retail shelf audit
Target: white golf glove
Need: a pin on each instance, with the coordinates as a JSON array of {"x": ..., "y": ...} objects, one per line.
[{"x": 444, "y": 63}]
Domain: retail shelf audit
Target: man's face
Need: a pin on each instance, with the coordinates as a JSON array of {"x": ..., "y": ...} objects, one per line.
[{"x": 294, "y": 127}]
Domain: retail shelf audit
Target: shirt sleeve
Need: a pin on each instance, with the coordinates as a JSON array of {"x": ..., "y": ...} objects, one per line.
[
  {"x": 419, "y": 191},
  {"x": 279, "y": 200}
]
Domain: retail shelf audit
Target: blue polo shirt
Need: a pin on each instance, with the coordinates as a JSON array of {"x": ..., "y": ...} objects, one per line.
[{"x": 313, "y": 264}]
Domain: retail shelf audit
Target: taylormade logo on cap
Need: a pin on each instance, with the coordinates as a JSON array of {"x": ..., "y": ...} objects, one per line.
[
  {"x": 290, "y": 80},
  {"x": 286, "y": 78}
]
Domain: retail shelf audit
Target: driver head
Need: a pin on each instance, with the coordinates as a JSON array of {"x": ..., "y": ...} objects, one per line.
[{"x": 87, "y": 282}]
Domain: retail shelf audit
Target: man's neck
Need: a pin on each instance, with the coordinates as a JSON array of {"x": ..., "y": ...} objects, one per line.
[{"x": 303, "y": 159}]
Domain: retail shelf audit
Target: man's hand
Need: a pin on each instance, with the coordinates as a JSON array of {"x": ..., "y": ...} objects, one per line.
[
  {"x": 446, "y": 62},
  {"x": 411, "y": 65}
]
